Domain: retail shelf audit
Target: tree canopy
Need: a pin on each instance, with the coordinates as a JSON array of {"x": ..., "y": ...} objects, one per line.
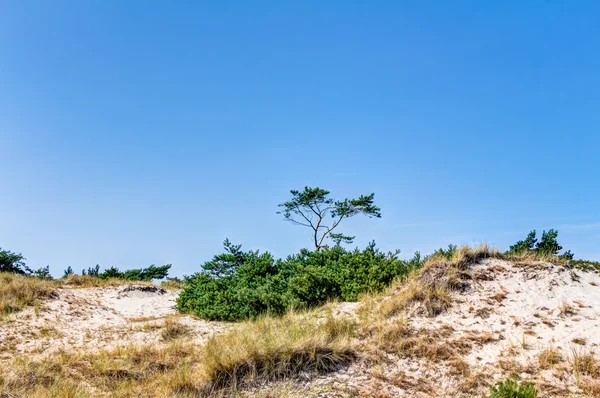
[
  {"x": 314, "y": 208},
  {"x": 13, "y": 263}
]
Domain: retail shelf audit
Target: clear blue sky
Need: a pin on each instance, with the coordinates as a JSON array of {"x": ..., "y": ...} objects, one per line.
[{"x": 140, "y": 132}]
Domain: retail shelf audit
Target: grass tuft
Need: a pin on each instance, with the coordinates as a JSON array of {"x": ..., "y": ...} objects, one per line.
[
  {"x": 174, "y": 329},
  {"x": 18, "y": 292},
  {"x": 273, "y": 348},
  {"x": 549, "y": 357}
]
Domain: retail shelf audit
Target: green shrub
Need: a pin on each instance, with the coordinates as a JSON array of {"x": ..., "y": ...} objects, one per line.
[
  {"x": 444, "y": 253},
  {"x": 239, "y": 285},
  {"x": 143, "y": 274},
  {"x": 547, "y": 246},
  {"x": 42, "y": 273},
  {"x": 13, "y": 263},
  {"x": 512, "y": 388},
  {"x": 68, "y": 271}
]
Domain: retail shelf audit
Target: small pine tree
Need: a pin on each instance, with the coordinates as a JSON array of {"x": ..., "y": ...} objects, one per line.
[
  {"x": 549, "y": 244},
  {"x": 13, "y": 263},
  {"x": 524, "y": 245},
  {"x": 68, "y": 271},
  {"x": 42, "y": 273},
  {"x": 92, "y": 271}
]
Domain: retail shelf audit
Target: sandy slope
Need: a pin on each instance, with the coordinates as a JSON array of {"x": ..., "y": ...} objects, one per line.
[
  {"x": 95, "y": 318},
  {"x": 510, "y": 314}
]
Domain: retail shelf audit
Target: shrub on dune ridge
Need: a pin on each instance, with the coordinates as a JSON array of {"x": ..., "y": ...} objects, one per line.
[{"x": 240, "y": 285}]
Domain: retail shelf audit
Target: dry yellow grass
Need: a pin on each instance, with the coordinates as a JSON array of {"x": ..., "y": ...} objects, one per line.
[
  {"x": 83, "y": 281},
  {"x": 123, "y": 372},
  {"x": 273, "y": 348},
  {"x": 174, "y": 329},
  {"x": 549, "y": 357},
  {"x": 429, "y": 289},
  {"x": 17, "y": 292},
  {"x": 585, "y": 363}
]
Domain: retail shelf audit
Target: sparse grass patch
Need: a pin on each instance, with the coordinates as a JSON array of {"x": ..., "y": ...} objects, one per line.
[
  {"x": 579, "y": 341},
  {"x": 585, "y": 363},
  {"x": 430, "y": 300},
  {"x": 125, "y": 371},
  {"x": 590, "y": 387},
  {"x": 174, "y": 329},
  {"x": 84, "y": 281},
  {"x": 566, "y": 309},
  {"x": 429, "y": 289},
  {"x": 549, "y": 357},
  {"x": 173, "y": 284},
  {"x": 143, "y": 319}
]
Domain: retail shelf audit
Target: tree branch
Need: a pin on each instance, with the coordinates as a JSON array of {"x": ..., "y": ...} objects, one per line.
[{"x": 335, "y": 224}]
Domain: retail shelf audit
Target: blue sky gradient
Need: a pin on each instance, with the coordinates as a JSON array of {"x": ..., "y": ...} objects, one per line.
[{"x": 140, "y": 132}]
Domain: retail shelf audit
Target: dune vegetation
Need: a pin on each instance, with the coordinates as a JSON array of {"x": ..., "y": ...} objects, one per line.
[{"x": 316, "y": 313}]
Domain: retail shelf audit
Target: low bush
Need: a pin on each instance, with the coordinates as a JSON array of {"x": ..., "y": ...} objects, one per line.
[
  {"x": 547, "y": 246},
  {"x": 512, "y": 388},
  {"x": 142, "y": 274},
  {"x": 13, "y": 263},
  {"x": 240, "y": 285}
]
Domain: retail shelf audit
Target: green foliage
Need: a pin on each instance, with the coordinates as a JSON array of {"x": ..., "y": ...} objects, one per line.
[
  {"x": 511, "y": 388},
  {"x": 313, "y": 206},
  {"x": 548, "y": 245},
  {"x": 241, "y": 285},
  {"x": 42, "y": 273},
  {"x": 585, "y": 265},
  {"x": 146, "y": 274},
  {"x": 68, "y": 271},
  {"x": 112, "y": 272},
  {"x": 143, "y": 274},
  {"x": 92, "y": 271},
  {"x": 524, "y": 245},
  {"x": 13, "y": 263},
  {"x": 444, "y": 253},
  {"x": 173, "y": 283}
]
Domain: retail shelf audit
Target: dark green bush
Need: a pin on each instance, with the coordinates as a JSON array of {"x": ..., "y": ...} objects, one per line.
[
  {"x": 241, "y": 285},
  {"x": 13, "y": 263},
  {"x": 511, "y": 388},
  {"x": 42, "y": 273},
  {"x": 143, "y": 274},
  {"x": 548, "y": 245},
  {"x": 445, "y": 253}
]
